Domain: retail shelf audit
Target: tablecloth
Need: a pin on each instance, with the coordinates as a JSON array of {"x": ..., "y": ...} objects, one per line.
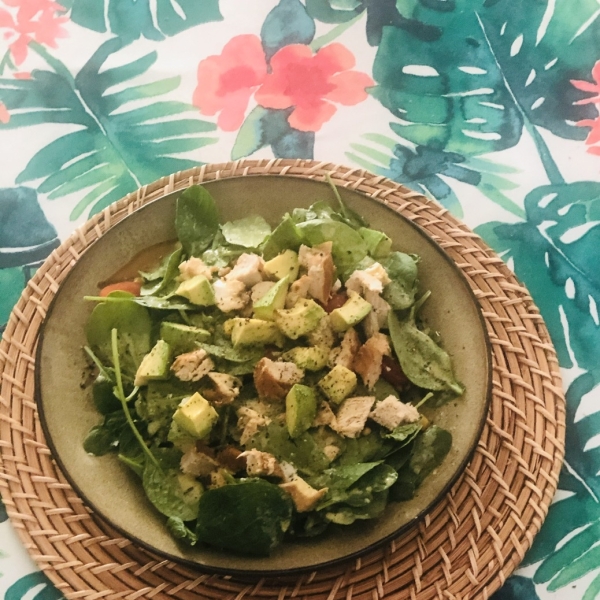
[{"x": 489, "y": 106}]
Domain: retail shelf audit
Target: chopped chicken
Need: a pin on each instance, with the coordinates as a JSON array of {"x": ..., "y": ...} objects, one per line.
[
  {"x": 367, "y": 362},
  {"x": 331, "y": 451},
  {"x": 377, "y": 270},
  {"x": 223, "y": 271},
  {"x": 226, "y": 390},
  {"x": 337, "y": 286},
  {"x": 304, "y": 496},
  {"x": 249, "y": 422},
  {"x": 323, "y": 334},
  {"x": 197, "y": 463},
  {"x": 273, "y": 380},
  {"x": 320, "y": 269},
  {"x": 192, "y": 366},
  {"x": 230, "y": 295},
  {"x": 372, "y": 279},
  {"x": 298, "y": 289},
  {"x": 260, "y": 289},
  {"x": 248, "y": 269},
  {"x": 348, "y": 349},
  {"x": 193, "y": 267},
  {"x": 352, "y": 415},
  {"x": 391, "y": 412},
  {"x": 324, "y": 416},
  {"x": 261, "y": 464},
  {"x": 377, "y": 318}
]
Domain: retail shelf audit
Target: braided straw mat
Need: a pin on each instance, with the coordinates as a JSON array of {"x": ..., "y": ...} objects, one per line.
[{"x": 464, "y": 549}]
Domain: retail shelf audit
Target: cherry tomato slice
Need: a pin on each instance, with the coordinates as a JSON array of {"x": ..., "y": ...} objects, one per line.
[
  {"x": 133, "y": 287},
  {"x": 392, "y": 372}
]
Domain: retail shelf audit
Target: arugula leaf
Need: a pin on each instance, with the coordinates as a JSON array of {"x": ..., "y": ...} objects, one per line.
[
  {"x": 180, "y": 531},
  {"x": 286, "y": 236},
  {"x": 196, "y": 220},
  {"x": 422, "y": 360},
  {"x": 171, "y": 270},
  {"x": 402, "y": 270},
  {"x": 250, "y": 517},
  {"x": 134, "y": 326},
  {"x": 249, "y": 232}
]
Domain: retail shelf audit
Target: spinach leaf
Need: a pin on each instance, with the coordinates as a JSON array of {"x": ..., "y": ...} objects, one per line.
[
  {"x": 167, "y": 281},
  {"x": 164, "y": 303},
  {"x": 342, "y": 514},
  {"x": 347, "y": 214},
  {"x": 247, "y": 518},
  {"x": 286, "y": 236},
  {"x": 404, "y": 433},
  {"x": 402, "y": 270},
  {"x": 348, "y": 245},
  {"x": 180, "y": 531},
  {"x": 428, "y": 453},
  {"x": 171, "y": 493},
  {"x": 422, "y": 360},
  {"x": 228, "y": 352},
  {"x": 400, "y": 457},
  {"x": 363, "y": 449},
  {"x": 221, "y": 252},
  {"x": 104, "y": 399},
  {"x": 249, "y": 232},
  {"x": 104, "y": 438},
  {"x": 196, "y": 220},
  {"x": 134, "y": 326}
]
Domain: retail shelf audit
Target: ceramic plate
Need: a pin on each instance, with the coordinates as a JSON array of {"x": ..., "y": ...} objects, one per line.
[{"x": 111, "y": 490}]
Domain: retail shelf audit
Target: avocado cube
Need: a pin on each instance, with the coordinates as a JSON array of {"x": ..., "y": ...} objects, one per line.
[
  {"x": 379, "y": 245},
  {"x": 313, "y": 358},
  {"x": 182, "y": 338},
  {"x": 338, "y": 384},
  {"x": 273, "y": 300},
  {"x": 299, "y": 320},
  {"x": 191, "y": 489},
  {"x": 155, "y": 365},
  {"x": 196, "y": 416},
  {"x": 197, "y": 290},
  {"x": 353, "y": 311},
  {"x": 283, "y": 265},
  {"x": 249, "y": 332},
  {"x": 300, "y": 409}
]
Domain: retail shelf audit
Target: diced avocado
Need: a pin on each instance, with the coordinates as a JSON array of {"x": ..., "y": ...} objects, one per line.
[
  {"x": 299, "y": 320},
  {"x": 273, "y": 300},
  {"x": 247, "y": 332},
  {"x": 196, "y": 416},
  {"x": 197, "y": 290},
  {"x": 284, "y": 265},
  {"x": 191, "y": 489},
  {"x": 313, "y": 358},
  {"x": 155, "y": 365},
  {"x": 355, "y": 309},
  {"x": 181, "y": 439},
  {"x": 182, "y": 338},
  {"x": 338, "y": 384},
  {"x": 379, "y": 245},
  {"x": 300, "y": 409}
]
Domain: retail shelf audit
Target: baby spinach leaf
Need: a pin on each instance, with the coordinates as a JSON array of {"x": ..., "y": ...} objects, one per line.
[
  {"x": 286, "y": 236},
  {"x": 196, "y": 220},
  {"x": 180, "y": 531},
  {"x": 422, "y": 360},
  {"x": 221, "y": 253},
  {"x": 171, "y": 495},
  {"x": 343, "y": 514},
  {"x": 104, "y": 399},
  {"x": 404, "y": 433},
  {"x": 249, "y": 232},
  {"x": 135, "y": 462},
  {"x": 400, "y": 457},
  {"x": 104, "y": 438},
  {"x": 134, "y": 326},
  {"x": 171, "y": 270},
  {"x": 348, "y": 245},
  {"x": 364, "y": 449},
  {"x": 248, "y": 518},
  {"x": 402, "y": 270},
  {"x": 338, "y": 480},
  {"x": 228, "y": 352}
]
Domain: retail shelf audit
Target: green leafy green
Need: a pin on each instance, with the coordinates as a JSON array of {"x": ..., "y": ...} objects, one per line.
[
  {"x": 249, "y": 232},
  {"x": 402, "y": 270},
  {"x": 343, "y": 514},
  {"x": 168, "y": 271},
  {"x": 196, "y": 220},
  {"x": 285, "y": 236},
  {"x": 103, "y": 395},
  {"x": 339, "y": 479},
  {"x": 104, "y": 438},
  {"x": 248, "y": 518},
  {"x": 364, "y": 449},
  {"x": 421, "y": 359},
  {"x": 180, "y": 531},
  {"x": 228, "y": 352},
  {"x": 405, "y": 433}
]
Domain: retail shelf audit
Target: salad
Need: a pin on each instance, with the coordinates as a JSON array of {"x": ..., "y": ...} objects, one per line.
[{"x": 268, "y": 383}]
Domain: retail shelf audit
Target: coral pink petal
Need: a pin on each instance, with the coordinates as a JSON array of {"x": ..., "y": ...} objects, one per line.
[
  {"x": 349, "y": 87},
  {"x": 311, "y": 118},
  {"x": 596, "y": 72},
  {"x": 289, "y": 55},
  {"x": 205, "y": 95},
  {"x": 22, "y": 75},
  {"x": 594, "y": 150},
  {"x": 593, "y": 136},
  {"x": 245, "y": 50},
  {"x": 234, "y": 111},
  {"x": 6, "y": 19},
  {"x": 592, "y": 100},
  {"x": 335, "y": 58},
  {"x": 585, "y": 86},
  {"x": 19, "y": 47},
  {"x": 271, "y": 94},
  {"x": 4, "y": 114}
]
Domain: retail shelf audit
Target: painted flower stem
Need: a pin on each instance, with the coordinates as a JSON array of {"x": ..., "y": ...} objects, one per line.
[
  {"x": 6, "y": 62},
  {"x": 333, "y": 33}
]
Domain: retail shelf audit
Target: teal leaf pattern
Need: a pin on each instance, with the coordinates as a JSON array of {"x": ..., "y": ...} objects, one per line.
[
  {"x": 517, "y": 588},
  {"x": 24, "y": 586},
  {"x": 3, "y": 515},
  {"x": 130, "y": 19},
  {"x": 288, "y": 23},
  {"x": 115, "y": 149}
]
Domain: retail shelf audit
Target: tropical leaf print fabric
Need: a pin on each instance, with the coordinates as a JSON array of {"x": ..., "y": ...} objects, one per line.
[{"x": 492, "y": 107}]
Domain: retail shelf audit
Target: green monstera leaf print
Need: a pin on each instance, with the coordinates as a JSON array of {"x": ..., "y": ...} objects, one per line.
[
  {"x": 495, "y": 64},
  {"x": 115, "y": 148},
  {"x": 130, "y": 19},
  {"x": 35, "y": 586}
]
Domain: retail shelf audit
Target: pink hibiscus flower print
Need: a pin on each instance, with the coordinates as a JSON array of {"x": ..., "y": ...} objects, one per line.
[
  {"x": 312, "y": 84},
  {"x": 227, "y": 81},
  {"x": 586, "y": 86},
  {"x": 29, "y": 20}
]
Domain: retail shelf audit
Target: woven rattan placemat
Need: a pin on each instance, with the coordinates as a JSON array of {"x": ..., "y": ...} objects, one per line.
[{"x": 465, "y": 548}]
